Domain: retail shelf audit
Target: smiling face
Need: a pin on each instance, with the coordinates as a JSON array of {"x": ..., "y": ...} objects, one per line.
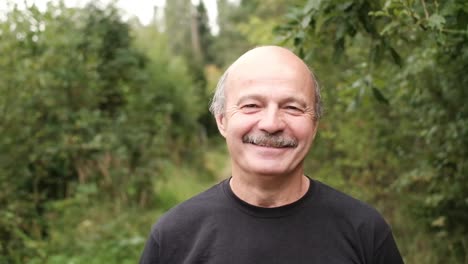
[{"x": 268, "y": 120}]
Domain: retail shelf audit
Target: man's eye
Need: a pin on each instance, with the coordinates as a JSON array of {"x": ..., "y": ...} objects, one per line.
[
  {"x": 250, "y": 106},
  {"x": 293, "y": 109}
]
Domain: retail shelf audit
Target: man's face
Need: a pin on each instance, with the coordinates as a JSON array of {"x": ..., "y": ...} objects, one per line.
[{"x": 269, "y": 119}]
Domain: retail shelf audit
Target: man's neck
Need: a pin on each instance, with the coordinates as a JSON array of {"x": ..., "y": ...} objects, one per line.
[{"x": 269, "y": 191}]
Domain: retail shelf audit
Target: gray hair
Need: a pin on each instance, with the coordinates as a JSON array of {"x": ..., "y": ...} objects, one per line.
[{"x": 219, "y": 97}]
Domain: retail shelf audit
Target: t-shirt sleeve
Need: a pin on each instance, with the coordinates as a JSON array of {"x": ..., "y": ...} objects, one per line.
[
  {"x": 387, "y": 252},
  {"x": 150, "y": 253}
]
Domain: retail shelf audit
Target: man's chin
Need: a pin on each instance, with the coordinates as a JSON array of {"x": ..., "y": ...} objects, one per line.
[{"x": 270, "y": 170}]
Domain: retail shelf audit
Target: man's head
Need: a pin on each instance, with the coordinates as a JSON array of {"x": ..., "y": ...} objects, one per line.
[
  {"x": 267, "y": 106},
  {"x": 219, "y": 97}
]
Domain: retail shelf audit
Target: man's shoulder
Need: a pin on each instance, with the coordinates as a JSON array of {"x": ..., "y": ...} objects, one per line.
[
  {"x": 346, "y": 207},
  {"x": 354, "y": 217}
]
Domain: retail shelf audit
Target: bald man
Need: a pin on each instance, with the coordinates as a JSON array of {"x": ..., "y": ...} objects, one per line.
[{"x": 267, "y": 107}]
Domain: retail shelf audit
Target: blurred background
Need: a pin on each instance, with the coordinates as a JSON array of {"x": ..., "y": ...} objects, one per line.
[{"x": 104, "y": 121}]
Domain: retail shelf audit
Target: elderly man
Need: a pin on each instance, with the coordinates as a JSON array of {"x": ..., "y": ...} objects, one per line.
[{"x": 267, "y": 107}]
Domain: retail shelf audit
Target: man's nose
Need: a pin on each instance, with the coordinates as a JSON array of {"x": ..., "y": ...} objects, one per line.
[{"x": 271, "y": 120}]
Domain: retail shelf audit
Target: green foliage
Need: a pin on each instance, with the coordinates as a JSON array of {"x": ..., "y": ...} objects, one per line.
[
  {"x": 205, "y": 36},
  {"x": 104, "y": 232},
  {"x": 178, "y": 19},
  {"x": 398, "y": 100},
  {"x": 230, "y": 42},
  {"x": 263, "y": 17},
  {"x": 83, "y": 111}
]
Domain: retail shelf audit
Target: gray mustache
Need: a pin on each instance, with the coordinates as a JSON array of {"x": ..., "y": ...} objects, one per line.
[{"x": 269, "y": 140}]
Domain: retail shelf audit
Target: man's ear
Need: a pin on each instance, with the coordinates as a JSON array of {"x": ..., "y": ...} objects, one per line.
[
  {"x": 221, "y": 123},
  {"x": 316, "y": 124}
]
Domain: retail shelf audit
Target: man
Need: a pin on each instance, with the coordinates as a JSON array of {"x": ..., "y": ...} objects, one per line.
[{"x": 267, "y": 107}]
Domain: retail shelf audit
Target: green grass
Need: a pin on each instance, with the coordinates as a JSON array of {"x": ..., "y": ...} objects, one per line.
[{"x": 90, "y": 230}]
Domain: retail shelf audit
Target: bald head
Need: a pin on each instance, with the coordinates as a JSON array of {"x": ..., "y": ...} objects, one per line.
[{"x": 262, "y": 63}]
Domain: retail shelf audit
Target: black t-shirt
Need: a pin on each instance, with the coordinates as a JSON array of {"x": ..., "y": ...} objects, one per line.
[{"x": 324, "y": 226}]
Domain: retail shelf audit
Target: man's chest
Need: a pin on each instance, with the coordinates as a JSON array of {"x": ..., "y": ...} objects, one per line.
[{"x": 264, "y": 242}]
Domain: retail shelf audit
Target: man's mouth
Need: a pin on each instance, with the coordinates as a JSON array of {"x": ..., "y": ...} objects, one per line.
[{"x": 270, "y": 141}]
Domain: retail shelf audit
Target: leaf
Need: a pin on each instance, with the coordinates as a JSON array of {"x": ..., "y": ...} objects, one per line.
[
  {"x": 379, "y": 13},
  {"x": 390, "y": 27},
  {"x": 319, "y": 21},
  {"x": 346, "y": 6},
  {"x": 339, "y": 47},
  {"x": 379, "y": 96},
  {"x": 396, "y": 57},
  {"x": 436, "y": 21},
  {"x": 306, "y": 21},
  {"x": 282, "y": 29},
  {"x": 376, "y": 53},
  {"x": 312, "y": 5},
  {"x": 298, "y": 38},
  {"x": 301, "y": 53}
]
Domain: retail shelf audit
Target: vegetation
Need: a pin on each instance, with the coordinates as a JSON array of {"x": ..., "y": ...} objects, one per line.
[
  {"x": 104, "y": 122},
  {"x": 87, "y": 116},
  {"x": 397, "y": 118}
]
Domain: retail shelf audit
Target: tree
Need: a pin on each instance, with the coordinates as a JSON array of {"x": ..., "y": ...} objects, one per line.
[
  {"x": 205, "y": 36},
  {"x": 411, "y": 57},
  {"x": 83, "y": 113},
  {"x": 178, "y": 18}
]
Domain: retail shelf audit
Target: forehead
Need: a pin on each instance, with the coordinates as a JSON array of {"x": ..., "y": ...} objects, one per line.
[
  {"x": 269, "y": 70},
  {"x": 277, "y": 88},
  {"x": 273, "y": 84},
  {"x": 266, "y": 60}
]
